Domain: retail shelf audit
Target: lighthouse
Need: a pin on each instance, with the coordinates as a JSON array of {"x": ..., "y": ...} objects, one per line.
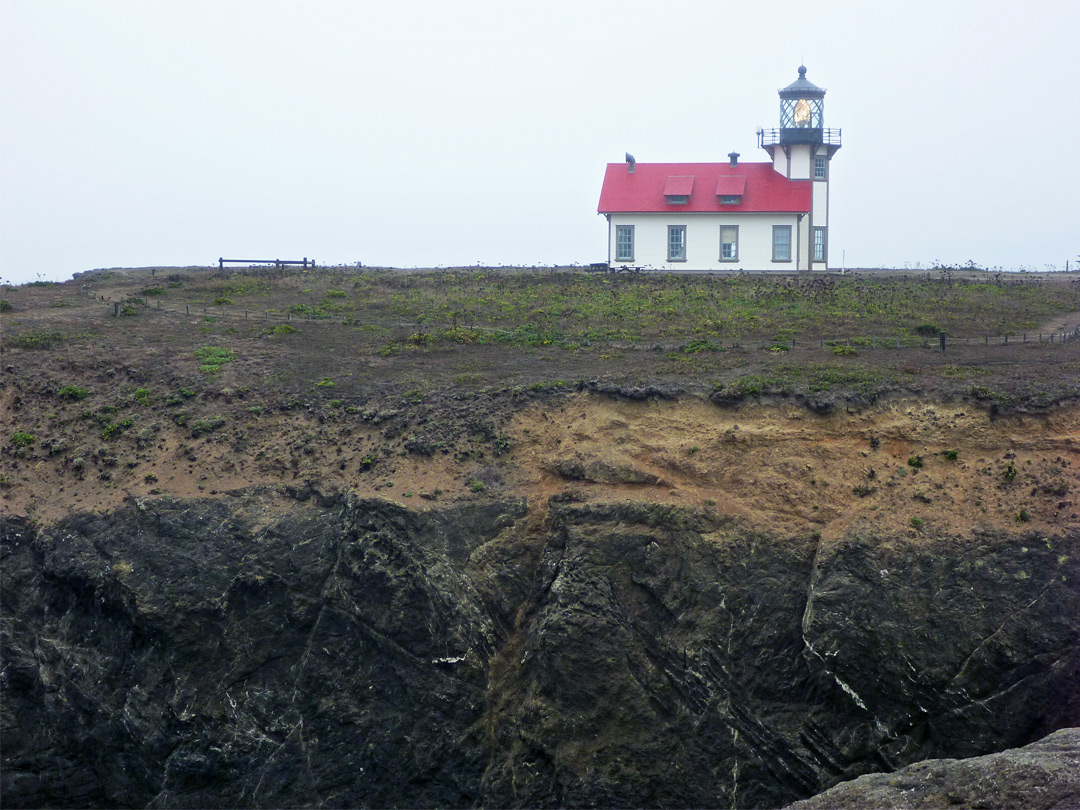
[{"x": 802, "y": 148}]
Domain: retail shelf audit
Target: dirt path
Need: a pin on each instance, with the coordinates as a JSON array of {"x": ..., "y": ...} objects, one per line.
[{"x": 1069, "y": 322}]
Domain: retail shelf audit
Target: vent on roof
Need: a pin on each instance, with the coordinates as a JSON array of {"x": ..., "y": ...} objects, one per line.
[
  {"x": 734, "y": 158},
  {"x": 631, "y": 163}
]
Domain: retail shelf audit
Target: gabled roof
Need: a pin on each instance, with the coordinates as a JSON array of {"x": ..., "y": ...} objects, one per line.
[{"x": 643, "y": 190}]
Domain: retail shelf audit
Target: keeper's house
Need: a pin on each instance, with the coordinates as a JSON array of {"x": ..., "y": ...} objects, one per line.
[{"x": 730, "y": 216}]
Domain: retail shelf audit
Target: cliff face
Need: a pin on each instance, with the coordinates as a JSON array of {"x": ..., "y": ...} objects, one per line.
[{"x": 282, "y": 648}]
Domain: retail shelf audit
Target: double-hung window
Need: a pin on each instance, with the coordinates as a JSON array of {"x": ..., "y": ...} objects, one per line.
[
  {"x": 624, "y": 243},
  {"x": 729, "y": 243},
  {"x": 819, "y": 244},
  {"x": 676, "y": 243},
  {"x": 781, "y": 243},
  {"x": 819, "y": 167}
]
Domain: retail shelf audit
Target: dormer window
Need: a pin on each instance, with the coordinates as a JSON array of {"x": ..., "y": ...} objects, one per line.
[
  {"x": 677, "y": 190},
  {"x": 730, "y": 189}
]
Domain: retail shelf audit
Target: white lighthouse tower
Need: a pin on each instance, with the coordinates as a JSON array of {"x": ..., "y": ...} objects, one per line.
[{"x": 802, "y": 149}]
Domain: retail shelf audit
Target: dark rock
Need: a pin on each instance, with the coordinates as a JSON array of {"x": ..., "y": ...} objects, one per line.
[
  {"x": 576, "y": 469},
  {"x": 257, "y": 650}
]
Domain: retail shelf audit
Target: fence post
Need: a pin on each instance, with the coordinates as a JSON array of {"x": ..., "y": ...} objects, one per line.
[
  {"x": 116, "y": 309},
  {"x": 187, "y": 309},
  {"x": 1006, "y": 340},
  {"x": 942, "y": 338},
  {"x": 245, "y": 314}
]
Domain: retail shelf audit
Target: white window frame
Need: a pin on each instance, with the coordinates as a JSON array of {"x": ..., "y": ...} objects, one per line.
[
  {"x": 619, "y": 229},
  {"x": 730, "y": 199},
  {"x": 678, "y": 255},
  {"x": 819, "y": 238},
  {"x": 821, "y": 167},
  {"x": 781, "y": 250},
  {"x": 734, "y": 257},
  {"x": 678, "y": 199}
]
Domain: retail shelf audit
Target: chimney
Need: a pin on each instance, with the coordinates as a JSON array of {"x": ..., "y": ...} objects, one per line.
[
  {"x": 631, "y": 163},
  {"x": 734, "y": 157}
]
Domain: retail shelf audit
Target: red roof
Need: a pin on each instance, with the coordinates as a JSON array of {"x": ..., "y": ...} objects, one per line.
[{"x": 644, "y": 190}]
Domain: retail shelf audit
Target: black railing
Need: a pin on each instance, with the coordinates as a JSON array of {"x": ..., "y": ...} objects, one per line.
[{"x": 775, "y": 137}]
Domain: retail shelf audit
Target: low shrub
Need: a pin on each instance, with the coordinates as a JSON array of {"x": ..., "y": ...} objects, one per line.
[
  {"x": 207, "y": 424},
  {"x": 212, "y": 358},
  {"x": 74, "y": 392},
  {"x": 20, "y": 438}
]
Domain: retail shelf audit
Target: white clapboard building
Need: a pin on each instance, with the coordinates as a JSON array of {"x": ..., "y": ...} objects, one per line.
[{"x": 730, "y": 216}]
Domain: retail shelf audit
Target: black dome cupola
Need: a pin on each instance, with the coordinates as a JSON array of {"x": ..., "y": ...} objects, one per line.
[{"x": 802, "y": 111}]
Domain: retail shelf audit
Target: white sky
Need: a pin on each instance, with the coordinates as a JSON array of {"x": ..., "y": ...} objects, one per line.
[{"x": 418, "y": 133}]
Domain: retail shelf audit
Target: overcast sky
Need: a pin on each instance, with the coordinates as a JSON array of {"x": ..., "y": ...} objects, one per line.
[{"x": 407, "y": 133}]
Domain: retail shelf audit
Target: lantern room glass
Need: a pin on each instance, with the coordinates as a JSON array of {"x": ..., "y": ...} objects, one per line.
[{"x": 801, "y": 113}]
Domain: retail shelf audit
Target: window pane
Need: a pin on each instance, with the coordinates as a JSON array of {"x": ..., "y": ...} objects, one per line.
[
  {"x": 729, "y": 243},
  {"x": 624, "y": 242},
  {"x": 782, "y": 243},
  {"x": 676, "y": 242}
]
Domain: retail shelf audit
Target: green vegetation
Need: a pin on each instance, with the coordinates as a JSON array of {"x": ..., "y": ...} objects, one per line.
[
  {"x": 6, "y": 306},
  {"x": 113, "y": 429},
  {"x": 206, "y": 425},
  {"x": 73, "y": 392},
  {"x": 20, "y": 438},
  {"x": 325, "y": 382},
  {"x": 153, "y": 291},
  {"x": 37, "y": 339},
  {"x": 212, "y": 358},
  {"x": 142, "y": 396}
]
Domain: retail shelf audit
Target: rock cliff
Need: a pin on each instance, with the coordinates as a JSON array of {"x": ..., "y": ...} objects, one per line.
[{"x": 283, "y": 647}]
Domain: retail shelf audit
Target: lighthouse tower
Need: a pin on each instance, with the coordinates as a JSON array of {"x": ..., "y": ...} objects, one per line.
[{"x": 802, "y": 149}]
